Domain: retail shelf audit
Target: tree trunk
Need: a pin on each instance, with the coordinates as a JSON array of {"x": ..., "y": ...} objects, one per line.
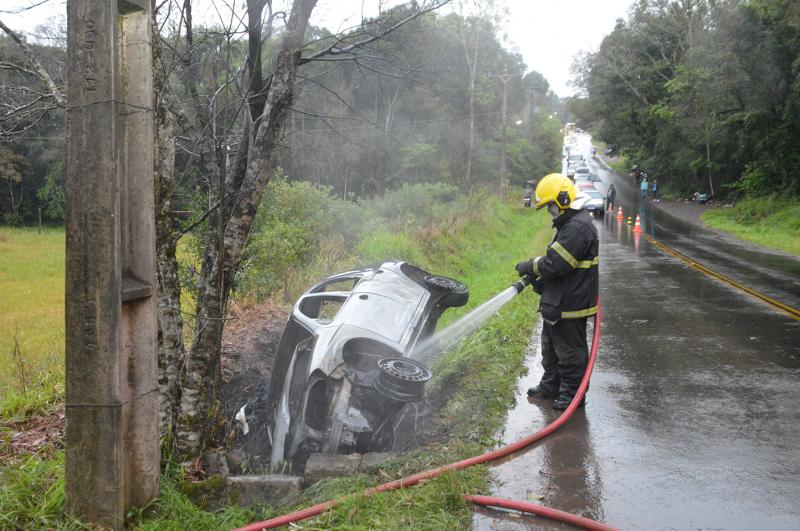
[
  {"x": 472, "y": 67},
  {"x": 11, "y": 194},
  {"x": 170, "y": 323},
  {"x": 171, "y": 349},
  {"x": 200, "y": 382},
  {"x": 390, "y": 103},
  {"x": 708, "y": 166}
]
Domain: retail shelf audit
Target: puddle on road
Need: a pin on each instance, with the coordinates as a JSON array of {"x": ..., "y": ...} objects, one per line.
[{"x": 560, "y": 472}]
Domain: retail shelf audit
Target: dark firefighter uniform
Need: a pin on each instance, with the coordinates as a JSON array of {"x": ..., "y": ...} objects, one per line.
[{"x": 567, "y": 279}]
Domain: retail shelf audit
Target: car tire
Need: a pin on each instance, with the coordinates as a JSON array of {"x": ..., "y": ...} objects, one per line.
[{"x": 453, "y": 293}]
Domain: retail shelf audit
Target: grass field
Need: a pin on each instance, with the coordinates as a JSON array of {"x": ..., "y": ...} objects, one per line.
[
  {"x": 772, "y": 221},
  {"x": 474, "y": 384},
  {"x": 32, "y": 302}
]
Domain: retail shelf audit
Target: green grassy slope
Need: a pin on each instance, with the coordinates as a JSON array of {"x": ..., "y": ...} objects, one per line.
[{"x": 772, "y": 221}]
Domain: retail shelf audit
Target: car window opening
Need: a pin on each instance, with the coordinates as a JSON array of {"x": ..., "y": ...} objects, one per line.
[{"x": 321, "y": 308}]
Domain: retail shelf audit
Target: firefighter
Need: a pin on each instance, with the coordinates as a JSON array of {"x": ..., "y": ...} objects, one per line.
[{"x": 567, "y": 279}]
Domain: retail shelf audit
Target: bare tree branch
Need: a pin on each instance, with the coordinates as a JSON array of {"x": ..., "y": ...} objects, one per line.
[
  {"x": 41, "y": 73},
  {"x": 333, "y": 49},
  {"x": 23, "y": 9}
]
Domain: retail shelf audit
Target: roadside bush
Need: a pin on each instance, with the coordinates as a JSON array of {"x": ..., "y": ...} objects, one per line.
[
  {"x": 303, "y": 232},
  {"x": 292, "y": 222},
  {"x": 754, "y": 210},
  {"x": 382, "y": 246},
  {"x": 418, "y": 205}
]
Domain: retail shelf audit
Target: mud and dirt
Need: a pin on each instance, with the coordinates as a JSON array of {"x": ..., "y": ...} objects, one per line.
[
  {"x": 249, "y": 347},
  {"x": 41, "y": 434}
]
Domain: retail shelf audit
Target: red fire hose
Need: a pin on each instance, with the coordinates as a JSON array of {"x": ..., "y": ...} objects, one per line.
[
  {"x": 476, "y": 460},
  {"x": 538, "y": 510}
]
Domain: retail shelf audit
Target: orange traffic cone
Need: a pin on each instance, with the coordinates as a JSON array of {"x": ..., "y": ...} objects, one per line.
[
  {"x": 619, "y": 214},
  {"x": 637, "y": 227}
]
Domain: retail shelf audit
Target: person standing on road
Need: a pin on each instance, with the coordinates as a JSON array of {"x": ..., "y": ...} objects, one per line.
[
  {"x": 643, "y": 187},
  {"x": 655, "y": 190},
  {"x": 636, "y": 173},
  {"x": 567, "y": 279},
  {"x": 610, "y": 197}
]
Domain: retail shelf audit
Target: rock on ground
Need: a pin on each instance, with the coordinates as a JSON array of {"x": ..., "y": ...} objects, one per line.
[{"x": 272, "y": 489}]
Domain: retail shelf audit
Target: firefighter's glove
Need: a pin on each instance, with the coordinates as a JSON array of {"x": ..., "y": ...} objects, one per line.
[{"x": 525, "y": 268}]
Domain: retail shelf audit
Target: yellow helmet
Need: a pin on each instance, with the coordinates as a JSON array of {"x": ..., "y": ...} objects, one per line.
[{"x": 555, "y": 188}]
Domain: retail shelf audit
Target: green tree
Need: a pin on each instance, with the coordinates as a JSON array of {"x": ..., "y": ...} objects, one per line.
[
  {"x": 51, "y": 194},
  {"x": 11, "y": 165}
]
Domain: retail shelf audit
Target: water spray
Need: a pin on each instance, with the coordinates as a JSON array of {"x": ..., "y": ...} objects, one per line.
[{"x": 466, "y": 325}]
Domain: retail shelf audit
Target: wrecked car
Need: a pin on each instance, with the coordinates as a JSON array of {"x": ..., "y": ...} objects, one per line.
[{"x": 343, "y": 379}]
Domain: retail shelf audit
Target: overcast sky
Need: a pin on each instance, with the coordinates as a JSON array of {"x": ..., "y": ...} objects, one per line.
[{"x": 548, "y": 33}]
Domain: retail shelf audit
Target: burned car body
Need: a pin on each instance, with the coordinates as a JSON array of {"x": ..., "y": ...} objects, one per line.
[{"x": 342, "y": 377}]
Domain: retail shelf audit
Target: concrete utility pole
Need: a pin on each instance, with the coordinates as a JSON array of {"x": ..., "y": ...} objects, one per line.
[{"x": 112, "y": 453}]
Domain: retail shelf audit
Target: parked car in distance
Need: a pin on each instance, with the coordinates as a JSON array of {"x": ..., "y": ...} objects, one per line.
[
  {"x": 596, "y": 204},
  {"x": 575, "y": 160},
  {"x": 342, "y": 380},
  {"x": 584, "y": 171}
]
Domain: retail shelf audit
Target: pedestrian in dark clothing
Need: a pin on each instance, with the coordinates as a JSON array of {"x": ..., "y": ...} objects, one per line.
[
  {"x": 636, "y": 172},
  {"x": 655, "y": 190},
  {"x": 610, "y": 197},
  {"x": 567, "y": 279}
]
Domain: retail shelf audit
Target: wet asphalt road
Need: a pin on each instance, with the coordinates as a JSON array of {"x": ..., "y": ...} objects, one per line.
[{"x": 693, "y": 418}]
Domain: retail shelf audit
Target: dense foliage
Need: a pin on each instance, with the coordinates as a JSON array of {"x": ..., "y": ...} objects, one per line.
[
  {"x": 399, "y": 114},
  {"x": 704, "y": 94},
  {"x": 303, "y": 228},
  {"x": 402, "y": 115},
  {"x": 31, "y": 137}
]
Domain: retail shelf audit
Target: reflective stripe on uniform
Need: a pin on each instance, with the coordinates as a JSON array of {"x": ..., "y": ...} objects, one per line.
[
  {"x": 536, "y": 267},
  {"x": 579, "y": 313},
  {"x": 586, "y": 264},
  {"x": 563, "y": 253}
]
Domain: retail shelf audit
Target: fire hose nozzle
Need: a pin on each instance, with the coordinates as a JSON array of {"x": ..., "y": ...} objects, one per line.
[{"x": 521, "y": 283}]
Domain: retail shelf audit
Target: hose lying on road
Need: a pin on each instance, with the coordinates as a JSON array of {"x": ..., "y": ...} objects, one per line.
[
  {"x": 538, "y": 510},
  {"x": 476, "y": 460}
]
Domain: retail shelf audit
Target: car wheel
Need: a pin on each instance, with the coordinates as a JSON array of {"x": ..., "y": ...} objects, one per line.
[{"x": 453, "y": 293}]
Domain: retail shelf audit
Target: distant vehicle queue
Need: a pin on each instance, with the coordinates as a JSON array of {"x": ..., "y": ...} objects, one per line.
[
  {"x": 575, "y": 166},
  {"x": 577, "y": 169}
]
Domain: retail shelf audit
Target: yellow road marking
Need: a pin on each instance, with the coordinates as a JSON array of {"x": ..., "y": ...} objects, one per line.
[{"x": 794, "y": 313}]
